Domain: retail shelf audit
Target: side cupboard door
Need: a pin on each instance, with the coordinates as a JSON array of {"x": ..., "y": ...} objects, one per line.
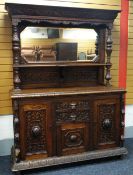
[
  {"x": 106, "y": 126},
  {"x": 35, "y": 130}
]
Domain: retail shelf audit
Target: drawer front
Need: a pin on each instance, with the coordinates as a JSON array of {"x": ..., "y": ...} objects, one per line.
[
  {"x": 73, "y": 111},
  {"x": 72, "y": 138}
]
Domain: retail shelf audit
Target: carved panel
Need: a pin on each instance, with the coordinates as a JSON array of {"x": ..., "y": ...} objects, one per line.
[
  {"x": 73, "y": 116},
  {"x": 58, "y": 77},
  {"x": 107, "y": 123},
  {"x": 31, "y": 75},
  {"x": 77, "y": 105},
  {"x": 80, "y": 74},
  {"x": 73, "y": 111},
  {"x": 35, "y": 131},
  {"x": 72, "y": 138}
]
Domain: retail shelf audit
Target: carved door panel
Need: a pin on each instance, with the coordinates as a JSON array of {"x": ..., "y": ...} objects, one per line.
[
  {"x": 106, "y": 123},
  {"x": 72, "y": 138},
  {"x": 35, "y": 133}
]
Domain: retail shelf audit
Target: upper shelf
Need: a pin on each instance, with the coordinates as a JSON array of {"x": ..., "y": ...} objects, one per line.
[{"x": 61, "y": 64}]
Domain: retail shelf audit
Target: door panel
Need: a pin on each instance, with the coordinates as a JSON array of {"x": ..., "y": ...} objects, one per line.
[
  {"x": 107, "y": 122},
  {"x": 36, "y": 136},
  {"x": 72, "y": 138}
]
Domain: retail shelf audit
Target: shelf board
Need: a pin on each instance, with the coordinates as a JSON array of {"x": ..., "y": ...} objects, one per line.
[
  {"x": 61, "y": 64},
  {"x": 50, "y": 92}
]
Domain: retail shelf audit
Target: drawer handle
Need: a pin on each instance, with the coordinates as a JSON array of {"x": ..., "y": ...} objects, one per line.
[
  {"x": 73, "y": 117},
  {"x": 73, "y": 138},
  {"x": 73, "y": 105}
]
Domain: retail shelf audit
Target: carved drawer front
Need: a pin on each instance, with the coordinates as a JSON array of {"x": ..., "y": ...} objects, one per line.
[
  {"x": 73, "y": 111},
  {"x": 35, "y": 131},
  {"x": 108, "y": 121},
  {"x": 72, "y": 138}
]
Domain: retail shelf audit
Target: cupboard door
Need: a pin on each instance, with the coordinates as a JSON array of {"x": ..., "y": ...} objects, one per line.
[
  {"x": 72, "y": 138},
  {"x": 106, "y": 123},
  {"x": 35, "y": 133}
]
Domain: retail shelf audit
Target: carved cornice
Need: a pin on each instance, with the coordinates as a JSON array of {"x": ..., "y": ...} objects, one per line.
[{"x": 65, "y": 16}]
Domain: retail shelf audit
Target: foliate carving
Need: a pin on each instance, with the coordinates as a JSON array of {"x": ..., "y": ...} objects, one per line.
[
  {"x": 72, "y": 138},
  {"x": 32, "y": 76},
  {"x": 108, "y": 52},
  {"x": 81, "y": 74},
  {"x": 73, "y": 111},
  {"x": 107, "y": 123},
  {"x": 78, "y": 105},
  {"x": 53, "y": 77},
  {"x": 35, "y": 130},
  {"x": 73, "y": 116}
]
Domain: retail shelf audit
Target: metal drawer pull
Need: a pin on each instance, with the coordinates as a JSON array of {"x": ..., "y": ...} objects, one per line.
[
  {"x": 73, "y": 105},
  {"x": 73, "y": 117}
]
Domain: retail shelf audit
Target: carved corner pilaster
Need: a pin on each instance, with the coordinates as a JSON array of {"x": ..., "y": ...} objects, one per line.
[
  {"x": 16, "y": 131},
  {"x": 122, "y": 119}
]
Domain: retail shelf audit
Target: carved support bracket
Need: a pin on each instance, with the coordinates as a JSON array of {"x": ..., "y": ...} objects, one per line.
[
  {"x": 108, "y": 52},
  {"x": 16, "y": 131}
]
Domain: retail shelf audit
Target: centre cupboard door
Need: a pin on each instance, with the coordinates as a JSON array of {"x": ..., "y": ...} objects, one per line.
[{"x": 35, "y": 129}]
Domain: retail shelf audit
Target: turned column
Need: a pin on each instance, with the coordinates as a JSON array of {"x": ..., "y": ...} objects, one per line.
[
  {"x": 108, "y": 52},
  {"x": 16, "y": 55}
]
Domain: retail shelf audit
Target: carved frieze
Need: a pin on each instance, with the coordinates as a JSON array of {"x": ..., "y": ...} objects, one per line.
[{"x": 73, "y": 111}]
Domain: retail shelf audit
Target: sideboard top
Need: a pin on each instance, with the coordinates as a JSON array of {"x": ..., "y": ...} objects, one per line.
[{"x": 51, "y": 92}]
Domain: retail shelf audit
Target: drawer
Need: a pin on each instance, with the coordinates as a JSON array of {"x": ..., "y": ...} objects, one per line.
[
  {"x": 72, "y": 105},
  {"x": 72, "y": 138},
  {"x": 73, "y": 111}
]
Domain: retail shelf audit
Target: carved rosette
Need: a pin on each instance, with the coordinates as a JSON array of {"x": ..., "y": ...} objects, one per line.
[
  {"x": 16, "y": 54},
  {"x": 16, "y": 131},
  {"x": 108, "y": 52},
  {"x": 122, "y": 118}
]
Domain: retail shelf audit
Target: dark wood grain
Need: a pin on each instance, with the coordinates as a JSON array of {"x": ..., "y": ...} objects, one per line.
[{"x": 63, "y": 112}]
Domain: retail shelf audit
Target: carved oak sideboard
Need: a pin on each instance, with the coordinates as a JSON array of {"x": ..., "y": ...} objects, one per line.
[{"x": 64, "y": 110}]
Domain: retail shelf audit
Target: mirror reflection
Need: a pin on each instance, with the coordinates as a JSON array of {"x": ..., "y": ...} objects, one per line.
[{"x": 42, "y": 44}]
